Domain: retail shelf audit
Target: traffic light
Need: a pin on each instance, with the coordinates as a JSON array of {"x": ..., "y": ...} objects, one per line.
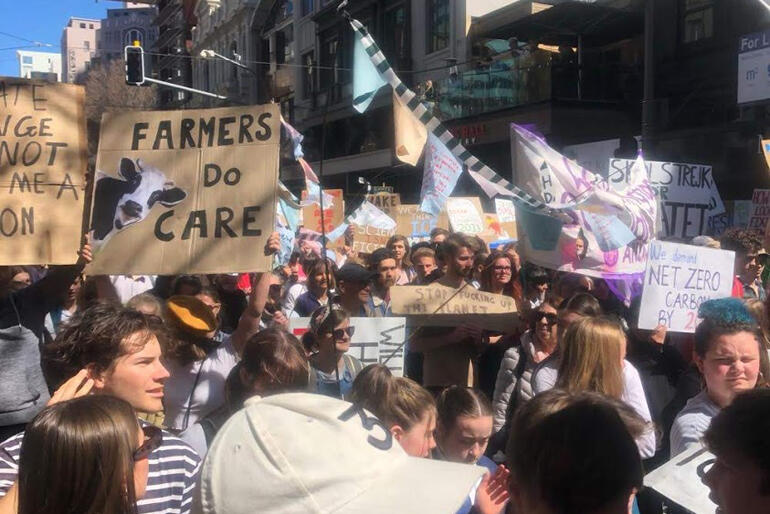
[{"x": 134, "y": 56}]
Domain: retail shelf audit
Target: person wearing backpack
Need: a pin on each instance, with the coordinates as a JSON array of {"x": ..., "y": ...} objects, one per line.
[{"x": 332, "y": 370}]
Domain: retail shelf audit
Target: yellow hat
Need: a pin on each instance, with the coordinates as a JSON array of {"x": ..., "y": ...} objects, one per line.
[{"x": 191, "y": 315}]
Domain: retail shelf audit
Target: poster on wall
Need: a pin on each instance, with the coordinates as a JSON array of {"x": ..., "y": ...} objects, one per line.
[
  {"x": 753, "y": 65},
  {"x": 190, "y": 191}
]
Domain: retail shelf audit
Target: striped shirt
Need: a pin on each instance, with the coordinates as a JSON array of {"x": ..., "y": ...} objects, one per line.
[
  {"x": 692, "y": 422},
  {"x": 171, "y": 482}
]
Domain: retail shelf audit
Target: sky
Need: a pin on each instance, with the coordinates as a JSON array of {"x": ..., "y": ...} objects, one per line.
[{"x": 43, "y": 21}]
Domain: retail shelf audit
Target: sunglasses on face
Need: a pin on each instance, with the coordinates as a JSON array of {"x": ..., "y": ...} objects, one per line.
[
  {"x": 761, "y": 259},
  {"x": 153, "y": 437},
  {"x": 550, "y": 318},
  {"x": 339, "y": 333}
]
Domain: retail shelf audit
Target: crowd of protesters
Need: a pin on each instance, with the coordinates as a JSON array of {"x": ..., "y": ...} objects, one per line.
[{"x": 158, "y": 394}]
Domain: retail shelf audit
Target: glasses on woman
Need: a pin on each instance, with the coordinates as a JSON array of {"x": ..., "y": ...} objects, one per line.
[
  {"x": 339, "y": 333},
  {"x": 550, "y": 317},
  {"x": 153, "y": 437},
  {"x": 502, "y": 269}
]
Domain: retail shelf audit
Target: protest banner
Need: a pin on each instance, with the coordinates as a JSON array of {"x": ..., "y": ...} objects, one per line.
[
  {"x": 759, "y": 214},
  {"x": 437, "y": 305},
  {"x": 506, "y": 215},
  {"x": 681, "y": 480},
  {"x": 190, "y": 191},
  {"x": 333, "y": 215},
  {"x": 376, "y": 340},
  {"x": 416, "y": 225},
  {"x": 687, "y": 194},
  {"x": 465, "y": 215},
  {"x": 678, "y": 279},
  {"x": 42, "y": 171},
  {"x": 371, "y": 228},
  {"x": 441, "y": 171},
  {"x": 386, "y": 202}
]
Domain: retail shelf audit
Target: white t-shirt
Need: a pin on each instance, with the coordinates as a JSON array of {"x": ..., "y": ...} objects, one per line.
[
  {"x": 209, "y": 392},
  {"x": 633, "y": 396},
  {"x": 128, "y": 286},
  {"x": 64, "y": 316},
  {"x": 290, "y": 298}
]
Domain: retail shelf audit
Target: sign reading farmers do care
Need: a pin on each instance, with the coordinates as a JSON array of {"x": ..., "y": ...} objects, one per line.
[
  {"x": 465, "y": 215},
  {"x": 42, "y": 170},
  {"x": 687, "y": 194},
  {"x": 437, "y": 305},
  {"x": 678, "y": 279},
  {"x": 185, "y": 191},
  {"x": 375, "y": 340},
  {"x": 759, "y": 214}
]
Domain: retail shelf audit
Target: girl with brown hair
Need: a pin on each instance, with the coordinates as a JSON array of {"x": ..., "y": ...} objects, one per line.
[
  {"x": 85, "y": 455},
  {"x": 407, "y": 409},
  {"x": 399, "y": 245}
]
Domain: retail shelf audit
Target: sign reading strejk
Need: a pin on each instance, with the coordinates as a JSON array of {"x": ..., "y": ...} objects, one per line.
[{"x": 754, "y": 67}]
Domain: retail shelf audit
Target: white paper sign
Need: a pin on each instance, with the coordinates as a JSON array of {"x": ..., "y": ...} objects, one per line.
[
  {"x": 687, "y": 194},
  {"x": 376, "y": 340},
  {"x": 753, "y": 62},
  {"x": 681, "y": 480},
  {"x": 464, "y": 216},
  {"x": 506, "y": 212},
  {"x": 678, "y": 279}
]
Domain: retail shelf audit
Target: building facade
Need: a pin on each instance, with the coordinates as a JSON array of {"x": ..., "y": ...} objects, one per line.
[
  {"x": 39, "y": 64},
  {"x": 172, "y": 59},
  {"x": 79, "y": 46},
  {"x": 122, "y": 27}
]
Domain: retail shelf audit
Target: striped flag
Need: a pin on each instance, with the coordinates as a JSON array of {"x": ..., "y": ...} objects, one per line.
[{"x": 410, "y": 100}]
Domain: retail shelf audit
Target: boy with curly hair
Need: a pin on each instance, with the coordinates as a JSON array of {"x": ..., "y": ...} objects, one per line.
[{"x": 750, "y": 261}]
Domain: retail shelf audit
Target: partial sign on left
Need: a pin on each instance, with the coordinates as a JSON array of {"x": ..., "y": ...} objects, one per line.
[{"x": 42, "y": 171}]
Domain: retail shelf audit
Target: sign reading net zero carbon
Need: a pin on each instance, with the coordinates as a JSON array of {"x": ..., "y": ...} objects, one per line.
[
  {"x": 754, "y": 67},
  {"x": 188, "y": 191},
  {"x": 678, "y": 279}
]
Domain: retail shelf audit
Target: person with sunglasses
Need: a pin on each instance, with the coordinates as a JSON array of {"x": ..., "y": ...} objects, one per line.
[
  {"x": 112, "y": 465},
  {"x": 110, "y": 350},
  {"x": 332, "y": 370},
  {"x": 520, "y": 367},
  {"x": 750, "y": 261}
]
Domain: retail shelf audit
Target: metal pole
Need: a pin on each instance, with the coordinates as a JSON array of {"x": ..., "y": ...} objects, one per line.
[
  {"x": 580, "y": 67},
  {"x": 648, "y": 102}
]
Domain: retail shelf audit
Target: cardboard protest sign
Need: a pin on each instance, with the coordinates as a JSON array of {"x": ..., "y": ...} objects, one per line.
[
  {"x": 416, "y": 225},
  {"x": 687, "y": 194},
  {"x": 333, "y": 215},
  {"x": 437, "y": 305},
  {"x": 465, "y": 215},
  {"x": 678, "y": 279},
  {"x": 376, "y": 340},
  {"x": 681, "y": 480},
  {"x": 506, "y": 215},
  {"x": 760, "y": 210},
  {"x": 386, "y": 202},
  {"x": 190, "y": 191},
  {"x": 371, "y": 228},
  {"x": 42, "y": 171}
]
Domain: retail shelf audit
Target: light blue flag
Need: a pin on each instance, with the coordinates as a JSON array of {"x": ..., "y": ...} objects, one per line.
[
  {"x": 543, "y": 231},
  {"x": 366, "y": 79},
  {"x": 609, "y": 231},
  {"x": 442, "y": 169}
]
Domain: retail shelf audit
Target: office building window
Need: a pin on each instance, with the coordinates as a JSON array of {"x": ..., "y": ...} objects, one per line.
[
  {"x": 82, "y": 25},
  {"x": 438, "y": 25},
  {"x": 87, "y": 45},
  {"x": 329, "y": 72},
  {"x": 26, "y": 59},
  {"x": 134, "y": 35},
  {"x": 90, "y": 25},
  {"x": 395, "y": 38},
  {"x": 308, "y": 75},
  {"x": 307, "y": 7},
  {"x": 698, "y": 22},
  {"x": 284, "y": 45}
]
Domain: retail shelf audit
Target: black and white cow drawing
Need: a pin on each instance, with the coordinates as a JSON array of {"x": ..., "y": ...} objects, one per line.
[{"x": 119, "y": 203}]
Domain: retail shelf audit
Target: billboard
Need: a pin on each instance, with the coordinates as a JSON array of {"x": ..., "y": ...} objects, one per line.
[{"x": 754, "y": 67}]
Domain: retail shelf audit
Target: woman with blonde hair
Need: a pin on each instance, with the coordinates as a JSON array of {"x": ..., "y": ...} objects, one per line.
[
  {"x": 407, "y": 409},
  {"x": 592, "y": 358}
]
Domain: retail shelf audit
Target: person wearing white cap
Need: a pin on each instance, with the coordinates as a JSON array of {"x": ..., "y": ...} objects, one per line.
[{"x": 305, "y": 453}]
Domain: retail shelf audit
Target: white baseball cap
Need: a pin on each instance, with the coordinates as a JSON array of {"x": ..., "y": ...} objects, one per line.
[{"x": 302, "y": 453}]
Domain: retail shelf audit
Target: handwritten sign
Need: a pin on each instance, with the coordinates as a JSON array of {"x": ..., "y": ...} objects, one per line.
[
  {"x": 386, "y": 202},
  {"x": 333, "y": 216},
  {"x": 376, "y": 340},
  {"x": 368, "y": 238},
  {"x": 506, "y": 215},
  {"x": 681, "y": 480},
  {"x": 416, "y": 225},
  {"x": 678, "y": 279},
  {"x": 437, "y": 305},
  {"x": 687, "y": 194},
  {"x": 465, "y": 215},
  {"x": 760, "y": 210},
  {"x": 42, "y": 171},
  {"x": 191, "y": 191}
]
